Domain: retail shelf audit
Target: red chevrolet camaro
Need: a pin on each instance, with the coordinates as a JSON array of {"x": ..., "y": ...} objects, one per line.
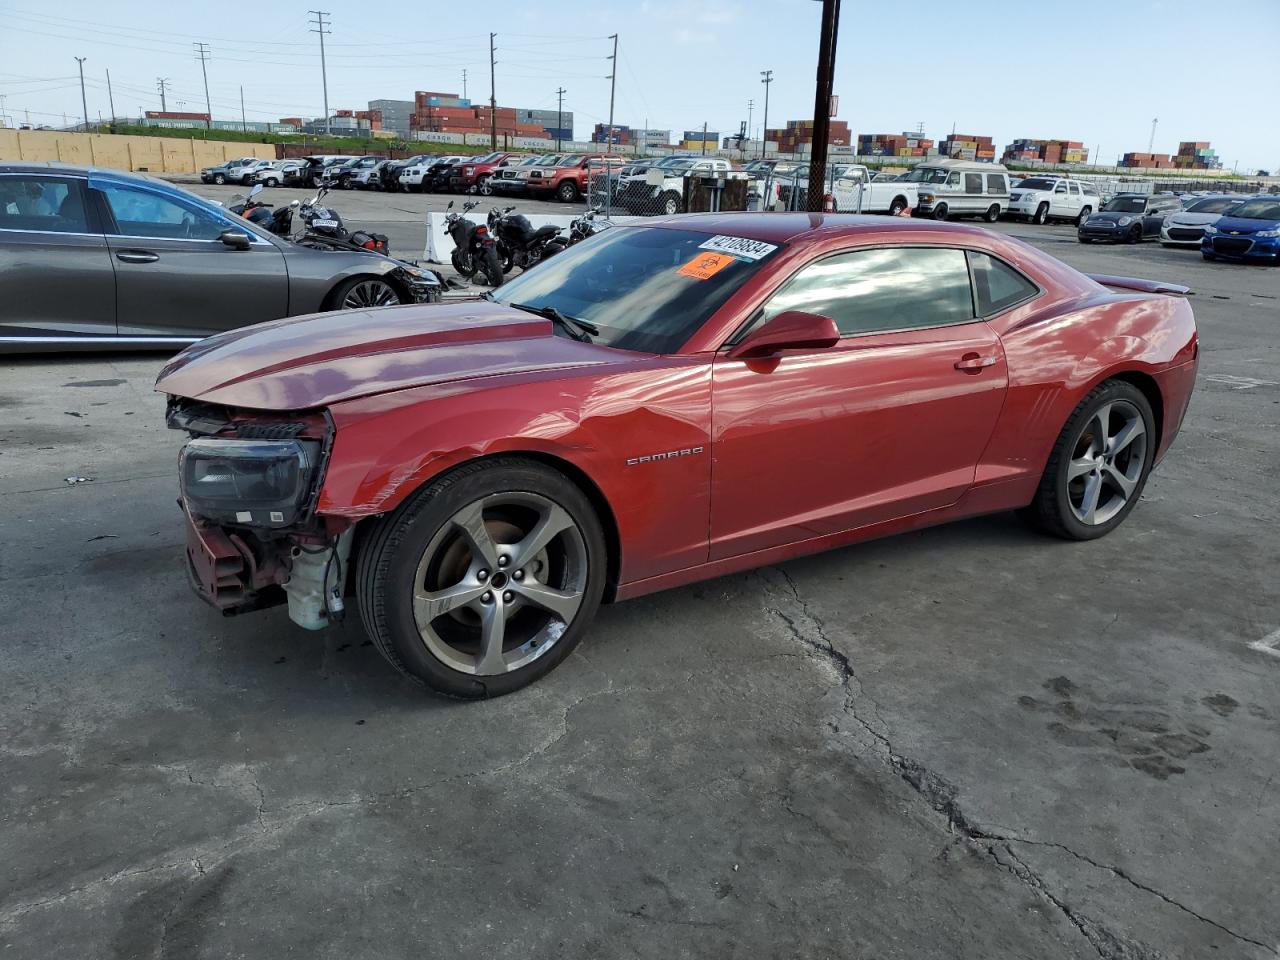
[{"x": 666, "y": 402}]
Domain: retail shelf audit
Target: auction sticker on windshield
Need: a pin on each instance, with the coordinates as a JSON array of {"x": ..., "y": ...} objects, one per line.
[
  {"x": 739, "y": 247},
  {"x": 705, "y": 265}
]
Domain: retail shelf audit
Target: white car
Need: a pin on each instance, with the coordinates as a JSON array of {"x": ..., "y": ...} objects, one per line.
[
  {"x": 856, "y": 191},
  {"x": 411, "y": 177},
  {"x": 660, "y": 189},
  {"x": 1186, "y": 227},
  {"x": 279, "y": 172},
  {"x": 1040, "y": 199},
  {"x": 248, "y": 172}
]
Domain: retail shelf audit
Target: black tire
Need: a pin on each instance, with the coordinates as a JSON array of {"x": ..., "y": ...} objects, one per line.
[
  {"x": 464, "y": 264},
  {"x": 1134, "y": 235},
  {"x": 492, "y": 267},
  {"x": 940, "y": 212},
  {"x": 219, "y": 178},
  {"x": 899, "y": 204},
  {"x": 671, "y": 204},
  {"x": 553, "y": 247},
  {"x": 1085, "y": 239},
  {"x": 484, "y": 187},
  {"x": 1041, "y": 215},
  {"x": 1214, "y": 256},
  {"x": 992, "y": 214},
  {"x": 388, "y": 562},
  {"x": 567, "y": 192},
  {"x": 1051, "y": 510},
  {"x": 1085, "y": 214}
]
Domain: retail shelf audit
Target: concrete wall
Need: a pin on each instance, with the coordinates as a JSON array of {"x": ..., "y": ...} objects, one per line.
[{"x": 156, "y": 154}]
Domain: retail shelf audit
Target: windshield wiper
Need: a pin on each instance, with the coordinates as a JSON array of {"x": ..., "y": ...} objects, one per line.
[{"x": 581, "y": 330}]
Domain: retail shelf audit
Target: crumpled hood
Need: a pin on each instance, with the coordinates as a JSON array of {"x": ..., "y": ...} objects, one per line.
[{"x": 305, "y": 362}]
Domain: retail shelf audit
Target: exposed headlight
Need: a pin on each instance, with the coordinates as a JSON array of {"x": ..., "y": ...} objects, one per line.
[
  {"x": 1124, "y": 221},
  {"x": 1267, "y": 233},
  {"x": 260, "y": 483},
  {"x": 1210, "y": 228},
  {"x": 468, "y": 171},
  {"x": 927, "y": 197}
]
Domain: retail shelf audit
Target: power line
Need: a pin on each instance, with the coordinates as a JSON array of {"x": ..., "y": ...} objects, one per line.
[{"x": 321, "y": 27}]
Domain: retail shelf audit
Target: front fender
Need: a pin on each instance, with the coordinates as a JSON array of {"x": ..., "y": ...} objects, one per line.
[{"x": 314, "y": 276}]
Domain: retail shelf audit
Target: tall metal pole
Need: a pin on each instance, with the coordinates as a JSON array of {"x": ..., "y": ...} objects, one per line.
[
  {"x": 493, "y": 98},
  {"x": 322, "y": 28},
  {"x": 83, "y": 103},
  {"x": 161, "y": 82},
  {"x": 750, "y": 107},
  {"x": 244, "y": 126},
  {"x": 764, "y": 130},
  {"x": 704, "y": 138},
  {"x": 559, "y": 114},
  {"x": 613, "y": 85},
  {"x": 202, "y": 51},
  {"x": 464, "y": 83},
  {"x": 111, "y": 100},
  {"x": 822, "y": 103}
]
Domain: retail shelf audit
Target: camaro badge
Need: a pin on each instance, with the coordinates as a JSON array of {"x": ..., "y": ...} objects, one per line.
[{"x": 669, "y": 455}]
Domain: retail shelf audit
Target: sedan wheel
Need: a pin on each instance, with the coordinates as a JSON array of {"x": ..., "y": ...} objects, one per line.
[
  {"x": 362, "y": 294},
  {"x": 1099, "y": 465},
  {"x": 219, "y": 178},
  {"x": 485, "y": 580}
]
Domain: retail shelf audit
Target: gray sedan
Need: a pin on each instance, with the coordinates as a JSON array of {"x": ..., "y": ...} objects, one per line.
[{"x": 97, "y": 259}]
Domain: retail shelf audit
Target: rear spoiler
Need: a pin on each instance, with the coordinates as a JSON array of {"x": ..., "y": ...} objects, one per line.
[{"x": 1143, "y": 286}]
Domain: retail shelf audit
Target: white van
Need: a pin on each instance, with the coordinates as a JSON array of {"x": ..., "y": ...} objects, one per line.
[{"x": 960, "y": 188}]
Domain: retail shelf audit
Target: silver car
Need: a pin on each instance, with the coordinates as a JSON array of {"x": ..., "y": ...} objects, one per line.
[{"x": 98, "y": 259}]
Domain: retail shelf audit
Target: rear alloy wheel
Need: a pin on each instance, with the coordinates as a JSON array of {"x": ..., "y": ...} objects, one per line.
[
  {"x": 1099, "y": 465},
  {"x": 484, "y": 580},
  {"x": 567, "y": 192},
  {"x": 1085, "y": 214},
  {"x": 993, "y": 213},
  {"x": 484, "y": 187},
  {"x": 1134, "y": 235},
  {"x": 670, "y": 204},
  {"x": 219, "y": 178},
  {"x": 362, "y": 293},
  {"x": 1041, "y": 214},
  {"x": 896, "y": 208}
]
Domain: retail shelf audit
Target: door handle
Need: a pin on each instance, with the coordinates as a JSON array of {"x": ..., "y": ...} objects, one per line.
[
  {"x": 137, "y": 256},
  {"x": 975, "y": 363}
]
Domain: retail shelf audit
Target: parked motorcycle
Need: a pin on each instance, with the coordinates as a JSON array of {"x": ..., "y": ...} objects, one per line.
[
  {"x": 587, "y": 226},
  {"x": 474, "y": 249},
  {"x": 278, "y": 220},
  {"x": 519, "y": 244},
  {"x": 323, "y": 228}
]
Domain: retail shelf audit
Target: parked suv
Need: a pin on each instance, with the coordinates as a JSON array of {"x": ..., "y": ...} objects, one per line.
[
  {"x": 1129, "y": 218},
  {"x": 225, "y": 172},
  {"x": 567, "y": 179},
  {"x": 425, "y": 174},
  {"x": 1039, "y": 199},
  {"x": 339, "y": 174},
  {"x": 514, "y": 178},
  {"x": 473, "y": 175},
  {"x": 660, "y": 189}
]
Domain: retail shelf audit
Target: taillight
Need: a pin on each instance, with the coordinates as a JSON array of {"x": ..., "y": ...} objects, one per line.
[
  {"x": 369, "y": 245},
  {"x": 482, "y": 229}
]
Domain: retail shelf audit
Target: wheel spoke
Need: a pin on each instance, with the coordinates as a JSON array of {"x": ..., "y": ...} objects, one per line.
[
  {"x": 1079, "y": 467},
  {"x": 429, "y": 604},
  {"x": 1089, "y": 502},
  {"x": 1119, "y": 480},
  {"x": 493, "y": 630},
  {"x": 1100, "y": 426},
  {"x": 562, "y": 603},
  {"x": 553, "y": 522},
  {"x": 1128, "y": 433},
  {"x": 470, "y": 523}
]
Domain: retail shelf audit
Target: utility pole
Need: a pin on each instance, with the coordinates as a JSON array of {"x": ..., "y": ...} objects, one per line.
[
  {"x": 202, "y": 51},
  {"x": 613, "y": 86},
  {"x": 704, "y": 138},
  {"x": 83, "y": 103},
  {"x": 1151, "y": 144},
  {"x": 822, "y": 102},
  {"x": 764, "y": 131},
  {"x": 559, "y": 114},
  {"x": 464, "y": 83},
  {"x": 244, "y": 127},
  {"x": 111, "y": 100},
  {"x": 161, "y": 82},
  {"x": 493, "y": 98},
  {"x": 321, "y": 27},
  {"x": 751, "y": 104},
  {"x": 3, "y": 122}
]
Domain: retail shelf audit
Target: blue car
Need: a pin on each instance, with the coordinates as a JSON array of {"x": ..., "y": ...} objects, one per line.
[{"x": 1249, "y": 232}]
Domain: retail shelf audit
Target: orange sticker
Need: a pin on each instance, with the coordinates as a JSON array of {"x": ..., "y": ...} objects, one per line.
[{"x": 705, "y": 265}]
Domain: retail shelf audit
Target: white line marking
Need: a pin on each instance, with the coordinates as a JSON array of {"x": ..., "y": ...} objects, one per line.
[
  {"x": 1270, "y": 644},
  {"x": 1240, "y": 383}
]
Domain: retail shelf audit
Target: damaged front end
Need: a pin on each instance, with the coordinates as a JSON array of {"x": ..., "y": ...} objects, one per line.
[{"x": 249, "y": 485}]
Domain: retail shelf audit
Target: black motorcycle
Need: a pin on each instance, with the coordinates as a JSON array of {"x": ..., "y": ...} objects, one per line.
[
  {"x": 278, "y": 220},
  {"x": 323, "y": 229},
  {"x": 474, "y": 249},
  {"x": 587, "y": 226},
  {"x": 519, "y": 243}
]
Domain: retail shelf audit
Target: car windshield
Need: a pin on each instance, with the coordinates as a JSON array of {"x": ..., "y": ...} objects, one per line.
[
  {"x": 678, "y": 163},
  {"x": 646, "y": 288},
  {"x": 1213, "y": 205},
  {"x": 926, "y": 175},
  {"x": 487, "y": 158},
  {"x": 569, "y": 161},
  {"x": 1037, "y": 183},
  {"x": 1126, "y": 205},
  {"x": 1267, "y": 209}
]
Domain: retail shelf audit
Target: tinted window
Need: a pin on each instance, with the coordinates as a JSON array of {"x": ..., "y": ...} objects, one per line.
[
  {"x": 1213, "y": 205},
  {"x": 996, "y": 285},
  {"x": 1060, "y": 188},
  {"x": 889, "y": 289},
  {"x": 646, "y": 288},
  {"x": 1037, "y": 183},
  {"x": 1258, "y": 210},
  {"x": 1125, "y": 205},
  {"x": 41, "y": 203},
  {"x": 996, "y": 183},
  {"x": 1090, "y": 190},
  {"x": 141, "y": 213},
  {"x": 973, "y": 183}
]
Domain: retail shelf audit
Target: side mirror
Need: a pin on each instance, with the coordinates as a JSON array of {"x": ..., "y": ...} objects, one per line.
[
  {"x": 235, "y": 239},
  {"x": 257, "y": 189},
  {"x": 790, "y": 330},
  {"x": 450, "y": 206}
]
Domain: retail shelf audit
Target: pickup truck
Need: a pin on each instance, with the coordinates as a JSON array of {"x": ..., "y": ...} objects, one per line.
[
  {"x": 660, "y": 188},
  {"x": 567, "y": 179},
  {"x": 229, "y": 172},
  {"x": 877, "y": 196},
  {"x": 473, "y": 176},
  {"x": 1061, "y": 198}
]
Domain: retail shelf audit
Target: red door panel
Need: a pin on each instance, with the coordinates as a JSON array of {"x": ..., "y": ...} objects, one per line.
[{"x": 875, "y": 428}]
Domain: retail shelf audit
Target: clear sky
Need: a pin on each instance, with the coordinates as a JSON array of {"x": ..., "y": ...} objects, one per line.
[{"x": 1094, "y": 70}]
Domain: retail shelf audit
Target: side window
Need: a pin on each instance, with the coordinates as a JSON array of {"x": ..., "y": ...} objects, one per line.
[
  {"x": 953, "y": 180},
  {"x": 1090, "y": 190},
  {"x": 52, "y": 204},
  {"x": 141, "y": 213},
  {"x": 996, "y": 285},
  {"x": 1060, "y": 188},
  {"x": 973, "y": 183},
  {"x": 894, "y": 288},
  {"x": 996, "y": 183}
]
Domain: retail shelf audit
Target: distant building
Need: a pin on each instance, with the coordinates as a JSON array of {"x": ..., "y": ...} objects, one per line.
[
  {"x": 176, "y": 115},
  {"x": 968, "y": 146},
  {"x": 1191, "y": 155},
  {"x": 395, "y": 115},
  {"x": 797, "y": 135},
  {"x": 1045, "y": 151}
]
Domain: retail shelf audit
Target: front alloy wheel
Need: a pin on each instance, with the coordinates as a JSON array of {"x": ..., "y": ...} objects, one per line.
[
  {"x": 485, "y": 580},
  {"x": 363, "y": 294}
]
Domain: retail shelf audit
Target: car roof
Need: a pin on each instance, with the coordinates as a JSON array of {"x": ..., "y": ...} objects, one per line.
[
  {"x": 79, "y": 170},
  {"x": 784, "y": 227}
]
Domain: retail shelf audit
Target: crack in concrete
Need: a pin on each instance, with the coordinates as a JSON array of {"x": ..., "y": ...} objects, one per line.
[{"x": 942, "y": 796}]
